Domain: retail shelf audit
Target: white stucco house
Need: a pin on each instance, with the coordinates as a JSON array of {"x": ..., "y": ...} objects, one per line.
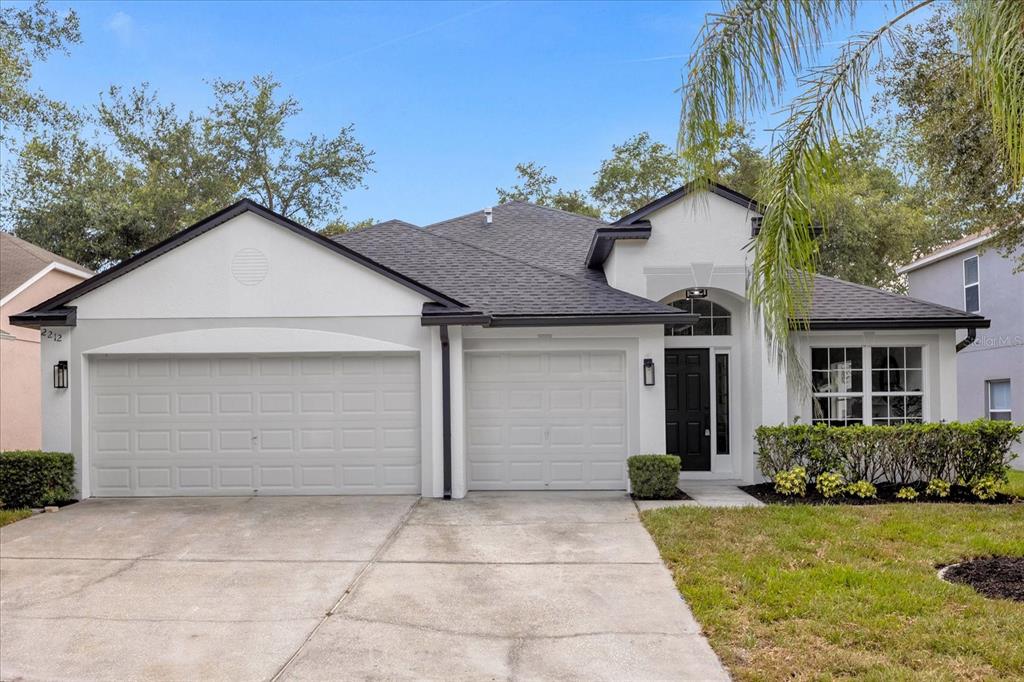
[{"x": 514, "y": 348}]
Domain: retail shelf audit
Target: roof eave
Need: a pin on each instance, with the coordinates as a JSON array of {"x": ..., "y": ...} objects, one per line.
[
  {"x": 894, "y": 324},
  {"x": 58, "y": 317},
  {"x": 605, "y": 237}
]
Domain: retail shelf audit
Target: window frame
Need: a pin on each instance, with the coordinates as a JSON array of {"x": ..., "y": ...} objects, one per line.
[
  {"x": 716, "y": 311},
  {"x": 867, "y": 394},
  {"x": 976, "y": 283},
  {"x": 989, "y": 383}
]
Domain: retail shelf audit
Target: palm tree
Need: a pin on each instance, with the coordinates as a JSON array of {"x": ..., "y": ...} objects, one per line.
[{"x": 740, "y": 65}]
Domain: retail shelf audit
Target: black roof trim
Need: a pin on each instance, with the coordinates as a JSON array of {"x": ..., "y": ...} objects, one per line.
[
  {"x": 817, "y": 229},
  {"x": 605, "y": 237},
  {"x": 219, "y": 218},
  {"x": 58, "y": 317},
  {"x": 709, "y": 185},
  {"x": 974, "y": 322},
  {"x": 589, "y": 320}
]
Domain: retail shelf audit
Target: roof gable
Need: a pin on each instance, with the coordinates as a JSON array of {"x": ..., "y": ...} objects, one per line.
[
  {"x": 689, "y": 188},
  {"x": 55, "y": 309},
  {"x": 20, "y": 261}
]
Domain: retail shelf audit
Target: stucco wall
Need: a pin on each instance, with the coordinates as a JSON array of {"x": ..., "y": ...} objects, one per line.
[
  {"x": 998, "y": 352},
  {"x": 20, "y": 389}
]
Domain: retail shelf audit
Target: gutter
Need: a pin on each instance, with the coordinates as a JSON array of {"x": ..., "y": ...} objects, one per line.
[{"x": 446, "y": 410}]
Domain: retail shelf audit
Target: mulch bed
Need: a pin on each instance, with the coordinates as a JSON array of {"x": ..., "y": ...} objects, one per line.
[
  {"x": 680, "y": 495},
  {"x": 886, "y": 495},
  {"x": 1000, "y": 577}
]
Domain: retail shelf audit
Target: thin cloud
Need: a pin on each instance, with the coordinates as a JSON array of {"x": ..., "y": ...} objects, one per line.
[{"x": 122, "y": 26}]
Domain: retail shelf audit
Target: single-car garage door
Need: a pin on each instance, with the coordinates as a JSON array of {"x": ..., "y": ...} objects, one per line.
[
  {"x": 546, "y": 420},
  {"x": 272, "y": 424}
]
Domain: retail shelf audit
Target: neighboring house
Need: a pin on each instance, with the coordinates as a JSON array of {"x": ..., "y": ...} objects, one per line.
[
  {"x": 28, "y": 275},
  {"x": 515, "y": 348},
  {"x": 990, "y": 368}
]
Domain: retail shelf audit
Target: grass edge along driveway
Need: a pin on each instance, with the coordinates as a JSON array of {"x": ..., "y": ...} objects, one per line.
[{"x": 842, "y": 591}]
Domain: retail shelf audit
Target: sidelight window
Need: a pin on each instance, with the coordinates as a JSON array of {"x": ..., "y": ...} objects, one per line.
[{"x": 722, "y": 403}]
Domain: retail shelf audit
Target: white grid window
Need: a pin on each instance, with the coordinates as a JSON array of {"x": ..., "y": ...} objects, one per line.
[
  {"x": 837, "y": 379},
  {"x": 999, "y": 400},
  {"x": 842, "y": 387},
  {"x": 896, "y": 385},
  {"x": 972, "y": 285}
]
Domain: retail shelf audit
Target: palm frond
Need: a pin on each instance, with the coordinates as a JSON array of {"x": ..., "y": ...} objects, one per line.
[
  {"x": 994, "y": 33},
  {"x": 740, "y": 63}
]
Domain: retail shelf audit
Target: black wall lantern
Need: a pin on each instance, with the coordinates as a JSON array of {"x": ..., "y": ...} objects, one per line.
[
  {"x": 60, "y": 374},
  {"x": 648, "y": 372}
]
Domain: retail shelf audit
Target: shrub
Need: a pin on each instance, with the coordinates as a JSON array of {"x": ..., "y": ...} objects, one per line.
[
  {"x": 906, "y": 493},
  {"x": 830, "y": 484},
  {"x": 862, "y": 489},
  {"x": 937, "y": 488},
  {"x": 894, "y": 454},
  {"x": 653, "y": 476},
  {"x": 30, "y": 478},
  {"x": 792, "y": 482},
  {"x": 985, "y": 488}
]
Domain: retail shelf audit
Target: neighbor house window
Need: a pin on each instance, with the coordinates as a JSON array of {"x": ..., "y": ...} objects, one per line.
[
  {"x": 837, "y": 380},
  {"x": 999, "y": 400},
  {"x": 896, "y": 385},
  {"x": 722, "y": 403},
  {"x": 714, "y": 319},
  {"x": 972, "y": 287}
]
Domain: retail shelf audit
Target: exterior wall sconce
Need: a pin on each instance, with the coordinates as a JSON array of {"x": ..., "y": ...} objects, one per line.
[
  {"x": 60, "y": 374},
  {"x": 648, "y": 372},
  {"x": 696, "y": 292}
]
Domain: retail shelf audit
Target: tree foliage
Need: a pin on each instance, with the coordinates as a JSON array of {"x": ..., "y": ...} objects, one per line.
[
  {"x": 134, "y": 171},
  {"x": 942, "y": 134},
  {"x": 537, "y": 187},
  {"x": 302, "y": 179},
  {"x": 639, "y": 171},
  {"x": 741, "y": 65},
  {"x": 27, "y": 35}
]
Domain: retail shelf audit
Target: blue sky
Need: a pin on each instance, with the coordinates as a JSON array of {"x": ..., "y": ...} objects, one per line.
[{"x": 449, "y": 95}]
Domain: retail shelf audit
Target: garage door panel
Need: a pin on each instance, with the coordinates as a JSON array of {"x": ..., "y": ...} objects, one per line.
[
  {"x": 546, "y": 420},
  {"x": 272, "y": 424}
]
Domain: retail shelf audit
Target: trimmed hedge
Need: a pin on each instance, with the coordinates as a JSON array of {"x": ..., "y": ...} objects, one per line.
[
  {"x": 30, "y": 478},
  {"x": 954, "y": 452},
  {"x": 653, "y": 477}
]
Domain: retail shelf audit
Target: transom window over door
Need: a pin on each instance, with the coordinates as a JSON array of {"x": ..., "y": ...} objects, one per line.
[{"x": 714, "y": 319}]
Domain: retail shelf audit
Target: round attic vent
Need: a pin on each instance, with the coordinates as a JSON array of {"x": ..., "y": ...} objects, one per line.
[{"x": 249, "y": 267}]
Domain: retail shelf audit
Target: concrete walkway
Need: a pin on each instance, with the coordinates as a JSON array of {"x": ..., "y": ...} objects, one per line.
[
  {"x": 705, "y": 494},
  {"x": 496, "y": 586}
]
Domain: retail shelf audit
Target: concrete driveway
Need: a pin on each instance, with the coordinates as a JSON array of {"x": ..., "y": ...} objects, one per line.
[{"x": 496, "y": 586}]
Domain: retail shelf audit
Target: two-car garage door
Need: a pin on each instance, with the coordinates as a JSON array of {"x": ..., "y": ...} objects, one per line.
[
  {"x": 546, "y": 420},
  {"x": 271, "y": 424}
]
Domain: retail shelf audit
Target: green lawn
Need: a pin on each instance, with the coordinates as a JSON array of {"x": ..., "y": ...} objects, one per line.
[
  {"x": 12, "y": 515},
  {"x": 1016, "y": 484},
  {"x": 808, "y": 592}
]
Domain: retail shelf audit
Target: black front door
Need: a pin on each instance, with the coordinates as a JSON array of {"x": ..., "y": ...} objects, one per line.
[{"x": 688, "y": 407}]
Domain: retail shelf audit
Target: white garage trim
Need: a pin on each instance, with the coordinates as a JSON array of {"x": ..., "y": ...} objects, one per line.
[
  {"x": 251, "y": 340},
  {"x": 254, "y": 424},
  {"x": 546, "y": 420}
]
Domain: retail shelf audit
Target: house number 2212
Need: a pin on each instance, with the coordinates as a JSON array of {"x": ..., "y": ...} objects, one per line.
[{"x": 50, "y": 334}]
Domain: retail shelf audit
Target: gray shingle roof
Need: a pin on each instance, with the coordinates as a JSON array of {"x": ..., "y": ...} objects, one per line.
[
  {"x": 20, "y": 260},
  {"x": 503, "y": 283},
  {"x": 531, "y": 261},
  {"x": 838, "y": 304}
]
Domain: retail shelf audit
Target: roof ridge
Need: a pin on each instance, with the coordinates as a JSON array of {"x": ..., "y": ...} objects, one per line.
[
  {"x": 899, "y": 296},
  {"x": 561, "y": 211},
  {"x": 516, "y": 201},
  {"x": 590, "y": 284}
]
